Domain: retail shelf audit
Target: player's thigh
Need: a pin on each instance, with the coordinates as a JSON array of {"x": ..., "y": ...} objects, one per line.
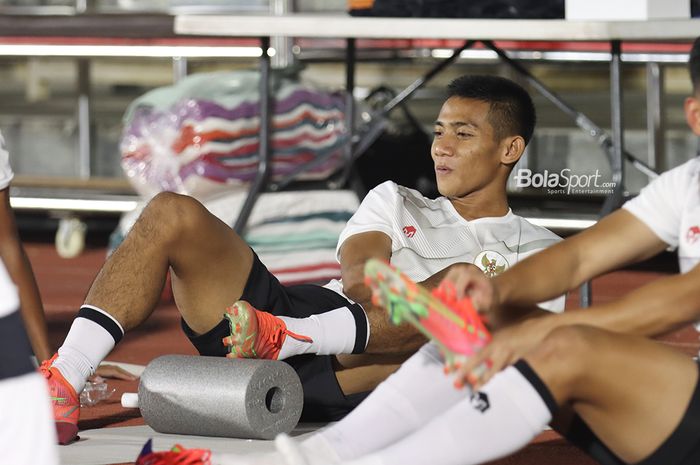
[
  {"x": 631, "y": 391},
  {"x": 209, "y": 267}
]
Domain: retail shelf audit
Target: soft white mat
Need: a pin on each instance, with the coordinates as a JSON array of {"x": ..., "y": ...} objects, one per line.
[{"x": 122, "y": 444}]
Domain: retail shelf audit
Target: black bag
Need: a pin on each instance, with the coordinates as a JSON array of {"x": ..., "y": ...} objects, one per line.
[
  {"x": 515, "y": 9},
  {"x": 401, "y": 153}
]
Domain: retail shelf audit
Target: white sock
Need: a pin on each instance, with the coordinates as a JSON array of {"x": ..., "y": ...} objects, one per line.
[
  {"x": 332, "y": 333},
  {"x": 498, "y": 420},
  {"x": 86, "y": 345},
  {"x": 406, "y": 401}
]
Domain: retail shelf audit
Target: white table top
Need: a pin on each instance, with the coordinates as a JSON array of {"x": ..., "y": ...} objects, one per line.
[{"x": 343, "y": 26}]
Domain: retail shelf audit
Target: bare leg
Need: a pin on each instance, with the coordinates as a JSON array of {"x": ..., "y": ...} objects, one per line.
[
  {"x": 364, "y": 372},
  {"x": 388, "y": 338},
  {"x": 209, "y": 265},
  {"x": 614, "y": 382}
]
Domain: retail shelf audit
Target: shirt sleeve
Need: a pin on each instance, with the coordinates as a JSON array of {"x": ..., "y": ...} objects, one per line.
[
  {"x": 659, "y": 205},
  {"x": 555, "y": 305},
  {"x": 6, "y": 173},
  {"x": 375, "y": 213}
]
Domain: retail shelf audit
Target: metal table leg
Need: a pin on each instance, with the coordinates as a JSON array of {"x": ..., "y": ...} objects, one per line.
[
  {"x": 614, "y": 200},
  {"x": 350, "y": 60},
  {"x": 84, "y": 121},
  {"x": 179, "y": 68},
  {"x": 585, "y": 295},
  {"x": 265, "y": 151},
  {"x": 655, "y": 119}
]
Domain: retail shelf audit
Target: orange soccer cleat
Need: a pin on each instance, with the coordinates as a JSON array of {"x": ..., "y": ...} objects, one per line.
[
  {"x": 254, "y": 333},
  {"x": 65, "y": 402}
]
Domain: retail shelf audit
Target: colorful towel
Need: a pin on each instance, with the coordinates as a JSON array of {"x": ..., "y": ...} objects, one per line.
[{"x": 201, "y": 136}]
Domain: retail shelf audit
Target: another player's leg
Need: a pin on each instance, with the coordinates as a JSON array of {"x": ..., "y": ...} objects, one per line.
[
  {"x": 632, "y": 392},
  {"x": 409, "y": 398},
  {"x": 613, "y": 381},
  {"x": 209, "y": 265}
]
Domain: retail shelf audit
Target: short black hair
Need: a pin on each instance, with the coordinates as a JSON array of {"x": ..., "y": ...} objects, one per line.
[
  {"x": 694, "y": 65},
  {"x": 512, "y": 111}
]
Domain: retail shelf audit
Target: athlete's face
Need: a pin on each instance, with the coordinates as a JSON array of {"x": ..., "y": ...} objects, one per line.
[
  {"x": 692, "y": 112},
  {"x": 465, "y": 154}
]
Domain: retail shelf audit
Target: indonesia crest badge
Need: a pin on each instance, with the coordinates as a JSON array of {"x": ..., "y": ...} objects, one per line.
[{"x": 491, "y": 263}]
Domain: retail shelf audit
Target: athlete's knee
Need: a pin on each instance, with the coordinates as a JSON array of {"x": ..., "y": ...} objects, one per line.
[
  {"x": 172, "y": 215},
  {"x": 566, "y": 351}
]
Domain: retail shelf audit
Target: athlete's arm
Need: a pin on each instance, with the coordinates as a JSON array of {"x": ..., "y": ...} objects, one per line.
[
  {"x": 17, "y": 263},
  {"x": 617, "y": 240},
  {"x": 354, "y": 252},
  {"x": 659, "y": 307},
  {"x": 385, "y": 338}
]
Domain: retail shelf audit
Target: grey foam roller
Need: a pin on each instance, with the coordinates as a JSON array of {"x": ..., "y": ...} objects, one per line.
[{"x": 216, "y": 396}]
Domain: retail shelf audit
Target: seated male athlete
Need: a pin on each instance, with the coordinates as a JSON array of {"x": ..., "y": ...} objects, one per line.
[
  {"x": 481, "y": 132},
  {"x": 592, "y": 373}
]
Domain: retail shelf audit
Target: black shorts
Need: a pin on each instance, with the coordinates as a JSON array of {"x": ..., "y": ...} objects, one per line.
[
  {"x": 681, "y": 448},
  {"x": 323, "y": 398}
]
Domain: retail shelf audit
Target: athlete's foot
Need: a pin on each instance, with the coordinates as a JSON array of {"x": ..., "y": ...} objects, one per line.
[
  {"x": 454, "y": 325},
  {"x": 65, "y": 402},
  {"x": 178, "y": 455},
  {"x": 255, "y": 334}
]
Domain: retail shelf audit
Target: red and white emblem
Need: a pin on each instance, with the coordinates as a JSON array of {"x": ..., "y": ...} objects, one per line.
[
  {"x": 691, "y": 236},
  {"x": 409, "y": 231}
]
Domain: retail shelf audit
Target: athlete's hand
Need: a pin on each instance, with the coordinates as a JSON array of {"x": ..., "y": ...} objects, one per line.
[
  {"x": 470, "y": 281},
  {"x": 507, "y": 347}
]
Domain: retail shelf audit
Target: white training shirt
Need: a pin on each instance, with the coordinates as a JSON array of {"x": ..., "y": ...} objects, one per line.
[
  {"x": 670, "y": 207},
  {"x": 6, "y": 173},
  {"x": 428, "y": 235}
]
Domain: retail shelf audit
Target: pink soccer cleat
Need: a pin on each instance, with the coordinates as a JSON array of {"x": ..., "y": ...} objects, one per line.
[
  {"x": 178, "y": 455},
  {"x": 453, "y": 324}
]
